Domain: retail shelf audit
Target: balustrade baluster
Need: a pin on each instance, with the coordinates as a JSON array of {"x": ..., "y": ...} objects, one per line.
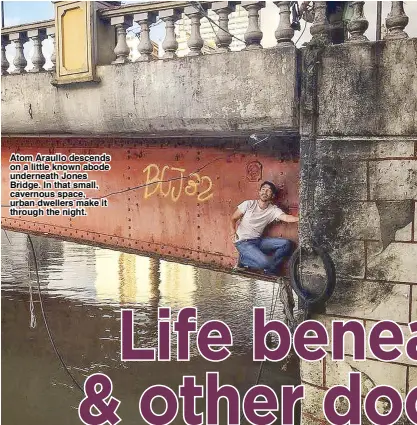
[
  {"x": 170, "y": 43},
  {"x": 50, "y": 32},
  {"x": 195, "y": 42},
  {"x": 284, "y": 32},
  {"x": 122, "y": 49},
  {"x": 253, "y": 34},
  {"x": 396, "y": 21},
  {"x": 145, "y": 45},
  {"x": 223, "y": 37},
  {"x": 38, "y": 59},
  {"x": 20, "y": 62},
  {"x": 358, "y": 23},
  {"x": 320, "y": 26},
  {"x": 4, "y": 62}
]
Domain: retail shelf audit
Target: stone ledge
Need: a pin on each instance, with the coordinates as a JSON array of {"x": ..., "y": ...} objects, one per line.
[
  {"x": 369, "y": 89},
  {"x": 234, "y": 92},
  {"x": 354, "y": 148}
]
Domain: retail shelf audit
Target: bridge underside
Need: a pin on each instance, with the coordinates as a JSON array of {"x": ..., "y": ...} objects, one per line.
[{"x": 166, "y": 197}]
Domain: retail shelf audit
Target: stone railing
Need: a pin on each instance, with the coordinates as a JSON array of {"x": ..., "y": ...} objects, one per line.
[
  {"x": 145, "y": 15},
  {"x": 21, "y": 34},
  {"x": 122, "y": 18},
  {"x": 395, "y": 22}
]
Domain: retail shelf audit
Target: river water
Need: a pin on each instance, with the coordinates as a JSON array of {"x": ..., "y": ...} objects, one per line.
[{"x": 84, "y": 288}]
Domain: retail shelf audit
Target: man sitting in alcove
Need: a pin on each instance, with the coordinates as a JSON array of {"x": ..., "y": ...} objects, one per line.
[{"x": 251, "y": 218}]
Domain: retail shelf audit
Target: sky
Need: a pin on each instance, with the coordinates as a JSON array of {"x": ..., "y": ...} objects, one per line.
[{"x": 21, "y": 12}]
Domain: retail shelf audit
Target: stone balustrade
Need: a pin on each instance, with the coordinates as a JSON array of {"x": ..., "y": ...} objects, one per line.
[
  {"x": 145, "y": 15},
  {"x": 18, "y": 36},
  {"x": 395, "y": 22},
  {"x": 122, "y": 18}
]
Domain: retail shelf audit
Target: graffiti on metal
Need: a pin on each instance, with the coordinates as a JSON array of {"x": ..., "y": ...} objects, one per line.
[{"x": 173, "y": 182}]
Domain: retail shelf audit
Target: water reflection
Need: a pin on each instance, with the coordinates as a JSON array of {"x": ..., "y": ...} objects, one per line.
[{"x": 84, "y": 288}]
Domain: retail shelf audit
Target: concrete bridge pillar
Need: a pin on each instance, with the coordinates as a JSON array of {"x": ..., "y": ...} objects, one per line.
[{"x": 358, "y": 200}]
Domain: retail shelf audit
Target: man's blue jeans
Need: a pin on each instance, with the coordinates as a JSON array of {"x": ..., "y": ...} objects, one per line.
[{"x": 263, "y": 253}]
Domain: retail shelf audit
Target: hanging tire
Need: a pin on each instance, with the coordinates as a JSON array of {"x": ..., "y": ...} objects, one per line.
[{"x": 295, "y": 280}]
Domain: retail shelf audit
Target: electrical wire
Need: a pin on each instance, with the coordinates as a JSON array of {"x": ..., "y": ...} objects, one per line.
[
  {"x": 137, "y": 33},
  {"x": 51, "y": 338},
  {"x": 211, "y": 23},
  {"x": 302, "y": 32},
  {"x": 200, "y": 8},
  {"x": 169, "y": 180}
]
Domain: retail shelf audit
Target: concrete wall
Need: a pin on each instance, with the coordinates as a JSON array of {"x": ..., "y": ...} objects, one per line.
[
  {"x": 359, "y": 187},
  {"x": 235, "y": 92}
]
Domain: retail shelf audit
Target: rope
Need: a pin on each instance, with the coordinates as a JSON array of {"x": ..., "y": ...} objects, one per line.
[
  {"x": 51, "y": 338},
  {"x": 7, "y": 236},
  {"x": 32, "y": 323}
]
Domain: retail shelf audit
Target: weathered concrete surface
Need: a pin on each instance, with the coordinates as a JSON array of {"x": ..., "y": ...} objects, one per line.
[
  {"x": 397, "y": 263},
  {"x": 312, "y": 372},
  {"x": 403, "y": 359},
  {"x": 372, "y": 374},
  {"x": 358, "y": 199},
  {"x": 223, "y": 93},
  {"x": 369, "y": 89},
  {"x": 370, "y": 299},
  {"x": 393, "y": 179},
  {"x": 413, "y": 377}
]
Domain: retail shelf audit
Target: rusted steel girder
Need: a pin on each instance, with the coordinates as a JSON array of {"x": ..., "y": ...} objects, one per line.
[{"x": 185, "y": 218}]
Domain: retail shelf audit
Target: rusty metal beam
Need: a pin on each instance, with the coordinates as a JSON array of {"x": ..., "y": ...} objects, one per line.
[{"x": 185, "y": 219}]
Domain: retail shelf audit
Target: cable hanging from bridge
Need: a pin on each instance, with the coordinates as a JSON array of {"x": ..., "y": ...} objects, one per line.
[{"x": 45, "y": 320}]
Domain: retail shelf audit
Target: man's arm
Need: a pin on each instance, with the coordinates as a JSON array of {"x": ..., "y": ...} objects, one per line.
[
  {"x": 237, "y": 215},
  {"x": 288, "y": 218}
]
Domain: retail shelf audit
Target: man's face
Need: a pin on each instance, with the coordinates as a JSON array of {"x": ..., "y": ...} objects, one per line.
[{"x": 266, "y": 193}]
